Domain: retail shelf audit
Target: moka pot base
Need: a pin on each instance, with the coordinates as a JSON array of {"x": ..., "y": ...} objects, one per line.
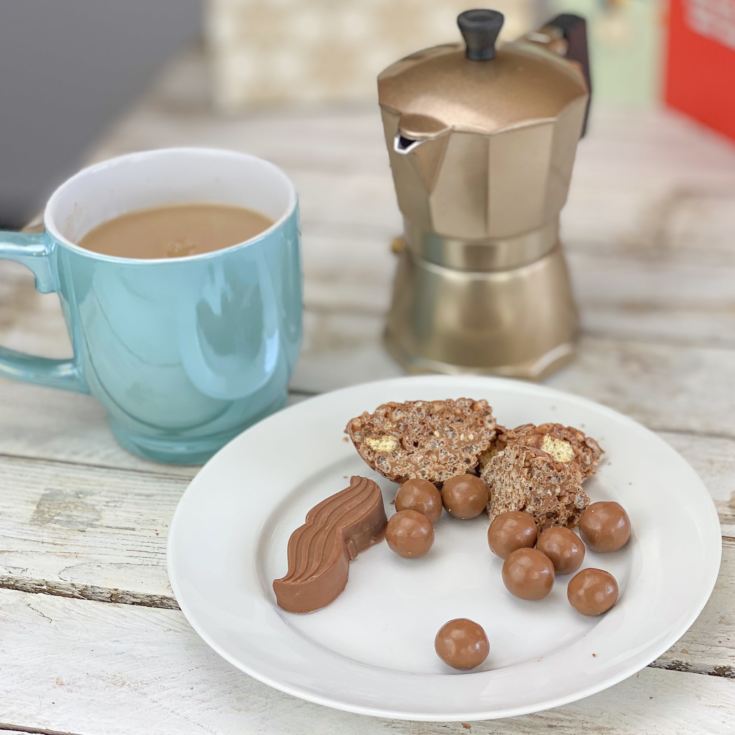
[{"x": 519, "y": 322}]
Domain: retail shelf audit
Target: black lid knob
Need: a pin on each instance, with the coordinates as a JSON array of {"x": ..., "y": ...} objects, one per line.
[{"x": 480, "y": 29}]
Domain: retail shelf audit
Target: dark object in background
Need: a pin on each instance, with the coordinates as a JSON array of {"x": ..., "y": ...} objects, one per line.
[{"x": 66, "y": 70}]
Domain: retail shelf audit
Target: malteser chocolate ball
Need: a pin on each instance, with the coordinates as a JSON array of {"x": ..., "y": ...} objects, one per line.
[
  {"x": 409, "y": 533},
  {"x": 465, "y": 496},
  {"x": 528, "y": 573},
  {"x": 592, "y": 591},
  {"x": 421, "y": 496},
  {"x": 563, "y": 547},
  {"x": 605, "y": 526},
  {"x": 511, "y": 530},
  {"x": 462, "y": 644}
]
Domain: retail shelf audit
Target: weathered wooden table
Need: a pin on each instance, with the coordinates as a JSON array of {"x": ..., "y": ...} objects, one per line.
[{"x": 91, "y": 640}]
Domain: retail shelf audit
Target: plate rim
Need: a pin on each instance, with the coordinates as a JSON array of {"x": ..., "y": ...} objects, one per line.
[{"x": 479, "y": 715}]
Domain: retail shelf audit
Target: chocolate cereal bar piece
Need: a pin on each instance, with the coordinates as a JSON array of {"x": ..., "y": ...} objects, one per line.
[
  {"x": 563, "y": 443},
  {"x": 524, "y": 478},
  {"x": 431, "y": 440}
]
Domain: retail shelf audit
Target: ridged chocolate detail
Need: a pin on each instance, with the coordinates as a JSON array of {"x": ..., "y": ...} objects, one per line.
[{"x": 319, "y": 551}]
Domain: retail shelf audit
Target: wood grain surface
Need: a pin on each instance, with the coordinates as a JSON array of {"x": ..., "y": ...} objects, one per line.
[
  {"x": 91, "y": 639},
  {"x": 141, "y": 669}
]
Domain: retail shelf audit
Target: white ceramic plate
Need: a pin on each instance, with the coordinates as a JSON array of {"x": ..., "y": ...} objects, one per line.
[{"x": 372, "y": 650}]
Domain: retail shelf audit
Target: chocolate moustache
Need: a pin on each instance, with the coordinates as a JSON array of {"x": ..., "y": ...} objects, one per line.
[{"x": 319, "y": 552}]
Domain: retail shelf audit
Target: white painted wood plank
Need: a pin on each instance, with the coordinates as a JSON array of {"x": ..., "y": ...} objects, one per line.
[
  {"x": 709, "y": 645},
  {"x": 28, "y": 320},
  {"x": 100, "y": 534},
  {"x": 664, "y": 386},
  {"x": 38, "y": 422},
  {"x": 345, "y": 347},
  {"x": 648, "y": 381},
  {"x": 651, "y": 218},
  {"x": 71, "y": 428},
  {"x": 619, "y": 294},
  {"x": 685, "y": 303},
  {"x": 74, "y": 527},
  {"x": 90, "y": 667},
  {"x": 714, "y": 460}
]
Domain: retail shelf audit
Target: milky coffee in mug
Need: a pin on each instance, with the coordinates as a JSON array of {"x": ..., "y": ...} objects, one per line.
[{"x": 175, "y": 231}]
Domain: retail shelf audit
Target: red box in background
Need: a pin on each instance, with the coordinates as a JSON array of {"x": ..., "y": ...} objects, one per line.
[{"x": 700, "y": 61}]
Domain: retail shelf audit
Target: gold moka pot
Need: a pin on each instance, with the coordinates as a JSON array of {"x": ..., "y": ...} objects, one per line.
[{"x": 481, "y": 143}]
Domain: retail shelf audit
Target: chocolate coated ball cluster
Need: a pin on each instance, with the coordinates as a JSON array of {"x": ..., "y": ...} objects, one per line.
[
  {"x": 532, "y": 560},
  {"x": 410, "y": 532}
]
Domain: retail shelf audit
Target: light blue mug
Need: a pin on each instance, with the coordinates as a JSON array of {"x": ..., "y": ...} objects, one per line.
[{"x": 183, "y": 353}]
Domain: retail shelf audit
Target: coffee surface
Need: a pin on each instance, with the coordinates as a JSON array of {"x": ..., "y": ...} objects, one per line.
[{"x": 175, "y": 231}]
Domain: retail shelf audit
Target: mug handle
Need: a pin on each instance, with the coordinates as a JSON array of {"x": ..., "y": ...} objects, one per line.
[{"x": 33, "y": 250}]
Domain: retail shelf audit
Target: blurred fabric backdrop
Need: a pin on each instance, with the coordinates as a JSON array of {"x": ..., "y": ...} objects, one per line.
[
  {"x": 68, "y": 68},
  {"x": 317, "y": 50}
]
